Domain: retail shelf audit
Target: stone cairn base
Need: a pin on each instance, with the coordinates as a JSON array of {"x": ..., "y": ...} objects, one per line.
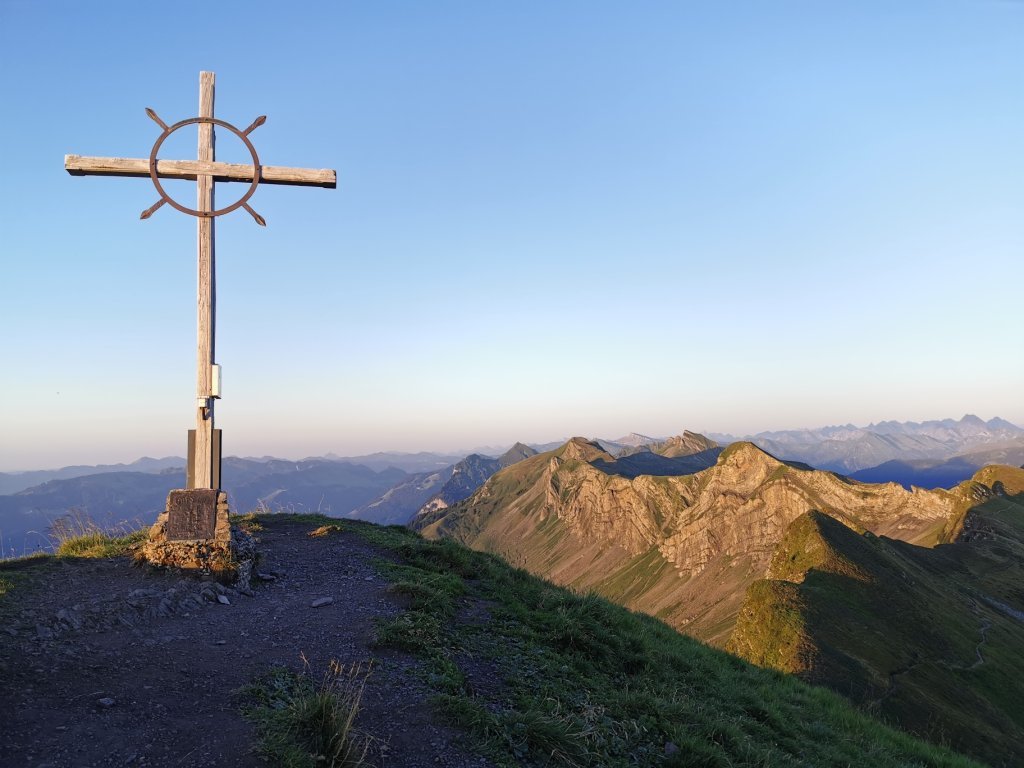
[{"x": 194, "y": 534}]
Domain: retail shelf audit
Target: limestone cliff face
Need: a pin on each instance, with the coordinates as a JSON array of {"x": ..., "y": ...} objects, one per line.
[
  {"x": 741, "y": 506},
  {"x": 708, "y": 535},
  {"x": 598, "y": 507},
  {"x": 745, "y": 503}
]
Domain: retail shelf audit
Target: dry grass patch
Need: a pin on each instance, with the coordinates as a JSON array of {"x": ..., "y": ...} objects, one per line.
[{"x": 303, "y": 723}]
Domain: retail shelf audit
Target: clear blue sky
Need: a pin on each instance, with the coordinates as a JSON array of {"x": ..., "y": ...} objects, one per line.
[{"x": 552, "y": 218}]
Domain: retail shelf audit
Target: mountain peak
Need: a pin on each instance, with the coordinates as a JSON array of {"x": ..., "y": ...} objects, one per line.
[
  {"x": 582, "y": 449},
  {"x": 685, "y": 444},
  {"x": 515, "y": 454},
  {"x": 635, "y": 440},
  {"x": 744, "y": 452},
  {"x": 1002, "y": 424}
]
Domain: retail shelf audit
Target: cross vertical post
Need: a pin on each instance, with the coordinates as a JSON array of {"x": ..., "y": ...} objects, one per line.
[{"x": 202, "y": 461}]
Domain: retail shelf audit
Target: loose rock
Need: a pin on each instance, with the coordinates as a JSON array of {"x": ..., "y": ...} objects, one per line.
[{"x": 320, "y": 601}]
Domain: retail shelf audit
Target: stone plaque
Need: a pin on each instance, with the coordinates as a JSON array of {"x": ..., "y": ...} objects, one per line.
[{"x": 191, "y": 514}]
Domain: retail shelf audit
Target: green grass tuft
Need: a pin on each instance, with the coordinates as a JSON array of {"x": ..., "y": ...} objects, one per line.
[
  {"x": 77, "y": 535},
  {"x": 98, "y": 544},
  {"x": 303, "y": 724}
]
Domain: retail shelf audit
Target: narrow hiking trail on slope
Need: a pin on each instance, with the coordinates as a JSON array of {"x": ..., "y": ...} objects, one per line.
[{"x": 106, "y": 664}]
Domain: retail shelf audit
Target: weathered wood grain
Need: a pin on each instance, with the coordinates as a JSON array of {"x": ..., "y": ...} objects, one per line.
[
  {"x": 206, "y": 293},
  {"x": 78, "y": 165}
]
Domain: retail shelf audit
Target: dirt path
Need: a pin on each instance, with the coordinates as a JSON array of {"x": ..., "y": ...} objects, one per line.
[{"x": 106, "y": 664}]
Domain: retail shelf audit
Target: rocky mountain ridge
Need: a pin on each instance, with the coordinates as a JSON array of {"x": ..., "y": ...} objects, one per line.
[
  {"x": 707, "y": 533},
  {"x": 469, "y": 474}
]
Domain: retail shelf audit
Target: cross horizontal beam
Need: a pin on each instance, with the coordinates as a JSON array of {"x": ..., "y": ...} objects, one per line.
[{"x": 77, "y": 165}]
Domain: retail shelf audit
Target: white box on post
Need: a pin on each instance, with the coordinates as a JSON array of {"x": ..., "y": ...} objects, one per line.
[{"x": 215, "y": 381}]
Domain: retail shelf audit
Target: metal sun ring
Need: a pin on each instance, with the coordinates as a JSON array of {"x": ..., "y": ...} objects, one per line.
[{"x": 192, "y": 211}]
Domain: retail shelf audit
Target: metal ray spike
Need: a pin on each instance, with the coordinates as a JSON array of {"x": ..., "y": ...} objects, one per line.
[
  {"x": 152, "y": 209},
  {"x": 259, "y": 219},
  {"x": 255, "y": 124},
  {"x": 156, "y": 118}
]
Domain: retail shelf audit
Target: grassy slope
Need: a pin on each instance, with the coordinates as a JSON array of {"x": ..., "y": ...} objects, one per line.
[
  {"x": 925, "y": 637},
  {"x": 576, "y": 680}
]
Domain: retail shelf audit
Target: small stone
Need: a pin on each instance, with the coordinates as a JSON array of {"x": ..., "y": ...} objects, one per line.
[
  {"x": 220, "y": 642},
  {"x": 265, "y": 576},
  {"x": 368, "y": 578},
  {"x": 320, "y": 601},
  {"x": 223, "y": 600},
  {"x": 670, "y": 748},
  {"x": 106, "y": 701}
]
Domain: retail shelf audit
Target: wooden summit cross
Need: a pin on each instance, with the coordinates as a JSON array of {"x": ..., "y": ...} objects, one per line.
[{"x": 204, "y": 472}]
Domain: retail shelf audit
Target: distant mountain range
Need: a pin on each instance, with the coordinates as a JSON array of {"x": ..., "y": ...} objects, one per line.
[
  {"x": 12, "y": 482},
  {"x": 398, "y": 504},
  {"x": 848, "y": 449},
  {"x": 412, "y": 463},
  {"x": 110, "y": 498},
  {"x": 791, "y": 567},
  {"x": 391, "y": 487},
  {"x": 469, "y": 474}
]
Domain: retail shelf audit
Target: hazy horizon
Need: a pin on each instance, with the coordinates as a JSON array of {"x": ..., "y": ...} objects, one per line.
[
  {"x": 551, "y": 219},
  {"x": 495, "y": 446}
]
